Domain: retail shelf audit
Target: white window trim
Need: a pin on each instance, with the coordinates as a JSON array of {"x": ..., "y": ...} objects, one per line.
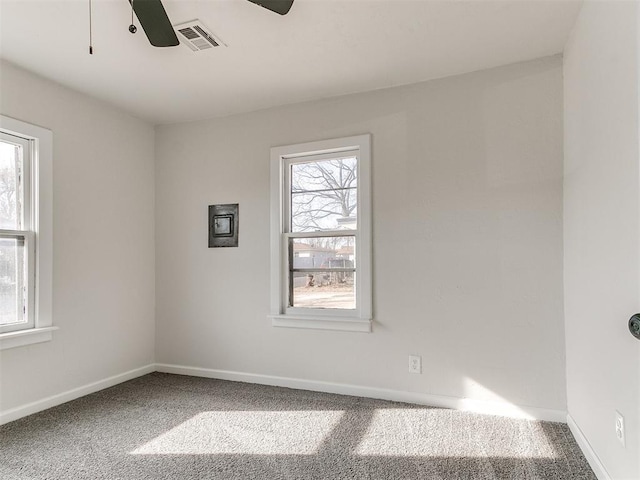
[
  {"x": 42, "y": 218},
  {"x": 360, "y": 319}
]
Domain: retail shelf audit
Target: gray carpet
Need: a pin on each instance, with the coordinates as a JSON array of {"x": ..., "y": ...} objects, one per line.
[{"x": 175, "y": 427}]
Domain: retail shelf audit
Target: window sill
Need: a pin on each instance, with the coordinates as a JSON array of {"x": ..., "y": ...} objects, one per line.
[
  {"x": 346, "y": 324},
  {"x": 26, "y": 337}
]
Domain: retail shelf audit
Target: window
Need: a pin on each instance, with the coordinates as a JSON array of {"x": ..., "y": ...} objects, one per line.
[
  {"x": 321, "y": 235},
  {"x": 25, "y": 233}
]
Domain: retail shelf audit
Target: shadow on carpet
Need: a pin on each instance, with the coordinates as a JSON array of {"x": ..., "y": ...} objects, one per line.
[{"x": 163, "y": 426}]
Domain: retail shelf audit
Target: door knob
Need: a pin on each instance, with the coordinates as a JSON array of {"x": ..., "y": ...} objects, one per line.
[{"x": 634, "y": 325}]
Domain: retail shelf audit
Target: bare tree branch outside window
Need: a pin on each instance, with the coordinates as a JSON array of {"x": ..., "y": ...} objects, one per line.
[{"x": 324, "y": 197}]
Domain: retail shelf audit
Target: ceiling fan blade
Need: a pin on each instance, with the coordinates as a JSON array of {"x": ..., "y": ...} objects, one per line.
[
  {"x": 278, "y": 6},
  {"x": 155, "y": 23}
]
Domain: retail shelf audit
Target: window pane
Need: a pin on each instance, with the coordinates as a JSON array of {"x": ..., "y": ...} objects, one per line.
[
  {"x": 11, "y": 186},
  {"x": 322, "y": 273},
  {"x": 323, "y": 252},
  {"x": 324, "y": 289},
  {"x": 12, "y": 270},
  {"x": 311, "y": 212},
  {"x": 324, "y": 195}
]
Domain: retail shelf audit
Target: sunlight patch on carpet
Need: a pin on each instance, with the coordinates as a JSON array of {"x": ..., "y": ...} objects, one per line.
[
  {"x": 440, "y": 433},
  {"x": 246, "y": 432}
]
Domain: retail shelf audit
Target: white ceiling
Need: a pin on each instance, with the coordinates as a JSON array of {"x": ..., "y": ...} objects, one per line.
[{"x": 322, "y": 48}]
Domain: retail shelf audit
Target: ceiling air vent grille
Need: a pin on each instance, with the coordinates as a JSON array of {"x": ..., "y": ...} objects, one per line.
[{"x": 196, "y": 36}]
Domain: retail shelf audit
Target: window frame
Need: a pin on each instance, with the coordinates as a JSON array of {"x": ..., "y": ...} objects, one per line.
[
  {"x": 38, "y": 235},
  {"x": 360, "y": 318}
]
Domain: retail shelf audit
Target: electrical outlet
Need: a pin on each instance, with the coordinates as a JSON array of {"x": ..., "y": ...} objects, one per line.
[
  {"x": 415, "y": 364},
  {"x": 620, "y": 428}
]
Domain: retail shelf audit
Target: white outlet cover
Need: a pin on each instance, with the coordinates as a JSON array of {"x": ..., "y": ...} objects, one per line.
[
  {"x": 620, "y": 434},
  {"x": 415, "y": 364}
]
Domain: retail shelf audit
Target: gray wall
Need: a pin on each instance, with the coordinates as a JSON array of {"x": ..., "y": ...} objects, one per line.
[
  {"x": 467, "y": 199},
  {"x": 103, "y": 253},
  {"x": 602, "y": 229}
]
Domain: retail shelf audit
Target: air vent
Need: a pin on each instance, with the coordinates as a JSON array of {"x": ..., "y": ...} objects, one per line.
[{"x": 196, "y": 36}]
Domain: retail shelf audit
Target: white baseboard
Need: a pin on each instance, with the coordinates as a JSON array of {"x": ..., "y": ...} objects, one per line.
[
  {"x": 594, "y": 462},
  {"x": 54, "y": 400},
  {"x": 457, "y": 403},
  {"x": 465, "y": 404}
]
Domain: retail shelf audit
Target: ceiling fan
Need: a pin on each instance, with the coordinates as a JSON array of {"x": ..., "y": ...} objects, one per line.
[{"x": 157, "y": 26}]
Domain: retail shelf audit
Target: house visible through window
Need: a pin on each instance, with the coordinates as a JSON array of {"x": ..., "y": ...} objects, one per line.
[{"x": 321, "y": 205}]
